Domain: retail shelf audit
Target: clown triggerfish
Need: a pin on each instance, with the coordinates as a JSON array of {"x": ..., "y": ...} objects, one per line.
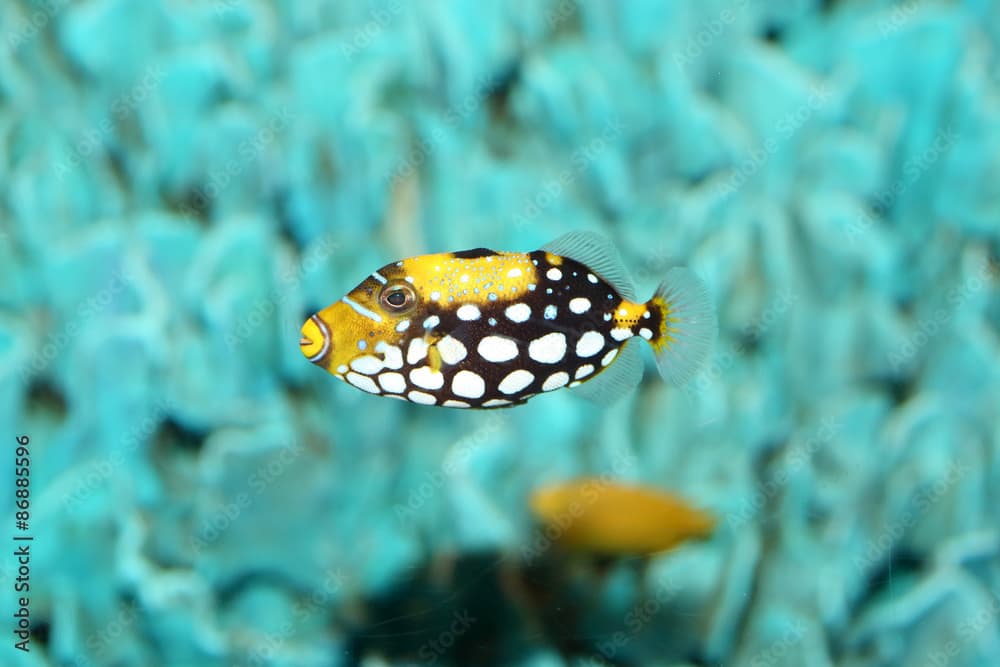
[{"x": 486, "y": 329}]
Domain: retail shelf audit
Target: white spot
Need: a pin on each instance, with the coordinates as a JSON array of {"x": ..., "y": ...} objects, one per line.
[
  {"x": 549, "y": 349},
  {"x": 592, "y": 278},
  {"x": 468, "y": 384},
  {"x": 468, "y": 312},
  {"x": 575, "y": 383},
  {"x": 435, "y": 295},
  {"x": 497, "y": 348},
  {"x": 392, "y": 382},
  {"x": 646, "y": 333},
  {"x": 645, "y": 315},
  {"x": 589, "y": 344},
  {"x": 514, "y": 273},
  {"x": 452, "y": 350},
  {"x": 403, "y": 326},
  {"x": 607, "y": 317},
  {"x": 555, "y": 381},
  {"x": 516, "y": 381},
  {"x": 450, "y": 403},
  {"x": 432, "y": 322},
  {"x": 579, "y": 305},
  {"x": 421, "y": 397},
  {"x": 362, "y": 344},
  {"x": 621, "y": 333},
  {"x": 492, "y": 321},
  {"x": 427, "y": 378},
  {"x": 363, "y": 382},
  {"x": 553, "y": 274},
  {"x": 609, "y": 357},
  {"x": 464, "y": 278},
  {"x": 531, "y": 287},
  {"x": 519, "y": 312},
  {"x": 392, "y": 356},
  {"x": 367, "y": 364},
  {"x": 342, "y": 369},
  {"x": 584, "y": 371},
  {"x": 416, "y": 351},
  {"x": 550, "y": 312},
  {"x": 622, "y": 312},
  {"x": 409, "y": 279},
  {"x": 495, "y": 403}
]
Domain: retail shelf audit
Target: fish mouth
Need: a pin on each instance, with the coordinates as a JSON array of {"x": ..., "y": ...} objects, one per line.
[{"x": 315, "y": 342}]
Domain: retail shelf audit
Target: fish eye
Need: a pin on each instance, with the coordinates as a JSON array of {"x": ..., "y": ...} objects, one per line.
[{"x": 397, "y": 297}]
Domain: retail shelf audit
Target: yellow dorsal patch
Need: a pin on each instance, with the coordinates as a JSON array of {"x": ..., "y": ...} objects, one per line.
[
  {"x": 554, "y": 260},
  {"x": 471, "y": 280},
  {"x": 628, "y": 314}
]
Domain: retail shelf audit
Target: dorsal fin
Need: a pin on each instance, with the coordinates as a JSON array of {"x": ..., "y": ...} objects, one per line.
[
  {"x": 618, "y": 379},
  {"x": 599, "y": 255}
]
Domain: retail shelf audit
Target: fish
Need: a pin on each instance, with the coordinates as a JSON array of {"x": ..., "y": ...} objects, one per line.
[
  {"x": 603, "y": 517},
  {"x": 485, "y": 329}
]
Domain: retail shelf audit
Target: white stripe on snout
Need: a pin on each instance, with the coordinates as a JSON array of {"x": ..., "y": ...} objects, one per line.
[
  {"x": 326, "y": 338},
  {"x": 379, "y": 277},
  {"x": 361, "y": 310}
]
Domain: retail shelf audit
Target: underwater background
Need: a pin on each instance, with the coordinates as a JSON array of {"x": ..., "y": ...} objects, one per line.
[{"x": 181, "y": 183}]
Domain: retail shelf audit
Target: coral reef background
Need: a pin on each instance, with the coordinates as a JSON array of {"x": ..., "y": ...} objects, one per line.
[{"x": 181, "y": 182}]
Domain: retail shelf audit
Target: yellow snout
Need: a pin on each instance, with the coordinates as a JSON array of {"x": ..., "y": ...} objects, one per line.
[{"x": 316, "y": 342}]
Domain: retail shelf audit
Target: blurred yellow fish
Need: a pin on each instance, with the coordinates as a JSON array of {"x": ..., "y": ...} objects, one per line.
[{"x": 607, "y": 518}]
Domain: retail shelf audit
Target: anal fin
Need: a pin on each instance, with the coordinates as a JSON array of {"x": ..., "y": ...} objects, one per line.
[{"x": 622, "y": 376}]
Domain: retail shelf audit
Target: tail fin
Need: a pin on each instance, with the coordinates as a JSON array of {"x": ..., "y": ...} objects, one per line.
[{"x": 687, "y": 325}]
